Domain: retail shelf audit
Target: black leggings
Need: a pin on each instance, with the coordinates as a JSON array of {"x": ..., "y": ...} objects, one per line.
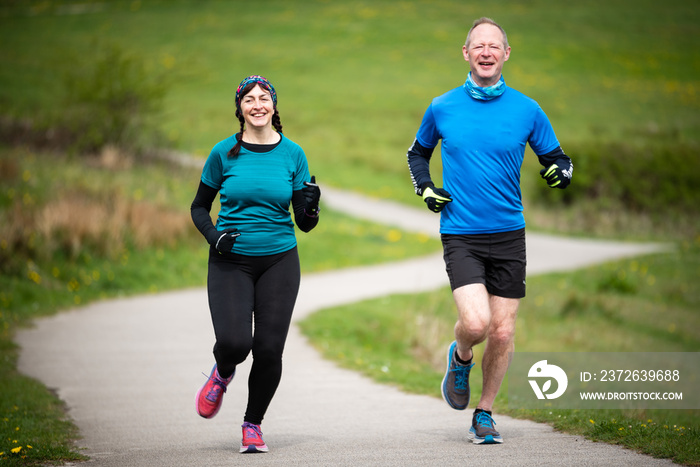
[{"x": 247, "y": 290}]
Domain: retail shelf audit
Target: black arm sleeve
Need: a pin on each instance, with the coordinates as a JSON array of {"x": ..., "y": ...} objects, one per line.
[
  {"x": 302, "y": 219},
  {"x": 419, "y": 166},
  {"x": 557, "y": 156},
  {"x": 200, "y": 209}
]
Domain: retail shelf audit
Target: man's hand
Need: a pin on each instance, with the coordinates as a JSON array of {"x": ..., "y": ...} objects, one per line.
[
  {"x": 226, "y": 240},
  {"x": 556, "y": 177},
  {"x": 436, "y": 198}
]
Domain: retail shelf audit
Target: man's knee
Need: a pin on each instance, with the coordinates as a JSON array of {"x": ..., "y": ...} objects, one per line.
[
  {"x": 501, "y": 335},
  {"x": 505, "y": 311},
  {"x": 475, "y": 326}
]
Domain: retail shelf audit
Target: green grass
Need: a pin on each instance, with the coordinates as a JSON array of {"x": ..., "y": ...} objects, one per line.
[
  {"x": 668, "y": 434},
  {"x": 353, "y": 80},
  {"x": 33, "y": 424},
  {"x": 648, "y": 303}
]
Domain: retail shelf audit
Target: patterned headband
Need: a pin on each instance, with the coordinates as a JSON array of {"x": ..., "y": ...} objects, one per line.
[{"x": 262, "y": 81}]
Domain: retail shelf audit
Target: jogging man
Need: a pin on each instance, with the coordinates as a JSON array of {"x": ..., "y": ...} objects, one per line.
[{"x": 484, "y": 126}]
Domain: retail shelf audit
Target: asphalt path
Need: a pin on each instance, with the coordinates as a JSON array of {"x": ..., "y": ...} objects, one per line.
[{"x": 128, "y": 370}]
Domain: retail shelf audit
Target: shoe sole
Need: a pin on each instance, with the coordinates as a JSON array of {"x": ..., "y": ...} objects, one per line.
[
  {"x": 252, "y": 449},
  {"x": 443, "y": 389},
  {"x": 488, "y": 439}
]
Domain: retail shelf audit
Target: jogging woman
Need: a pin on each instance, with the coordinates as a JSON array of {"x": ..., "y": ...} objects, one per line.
[{"x": 254, "y": 273}]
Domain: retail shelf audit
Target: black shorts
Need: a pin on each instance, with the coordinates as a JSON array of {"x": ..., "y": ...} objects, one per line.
[{"x": 496, "y": 260}]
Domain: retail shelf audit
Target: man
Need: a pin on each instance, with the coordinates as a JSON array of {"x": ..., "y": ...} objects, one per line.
[{"x": 484, "y": 126}]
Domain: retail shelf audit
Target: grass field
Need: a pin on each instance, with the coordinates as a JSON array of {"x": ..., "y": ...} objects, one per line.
[{"x": 353, "y": 80}]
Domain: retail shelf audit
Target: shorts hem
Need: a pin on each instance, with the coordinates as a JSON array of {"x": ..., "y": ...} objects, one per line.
[{"x": 506, "y": 294}]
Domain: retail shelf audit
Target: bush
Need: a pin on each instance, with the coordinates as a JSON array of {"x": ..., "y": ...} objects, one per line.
[
  {"x": 77, "y": 222},
  {"x": 112, "y": 100},
  {"x": 56, "y": 208},
  {"x": 643, "y": 178}
]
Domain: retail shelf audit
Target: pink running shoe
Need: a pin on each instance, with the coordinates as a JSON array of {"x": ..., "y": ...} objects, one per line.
[
  {"x": 210, "y": 396},
  {"x": 252, "y": 439}
]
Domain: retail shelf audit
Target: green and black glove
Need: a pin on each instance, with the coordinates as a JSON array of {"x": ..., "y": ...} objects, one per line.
[
  {"x": 225, "y": 242},
  {"x": 556, "y": 176},
  {"x": 436, "y": 198}
]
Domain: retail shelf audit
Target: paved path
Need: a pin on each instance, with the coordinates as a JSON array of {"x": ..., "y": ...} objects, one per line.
[{"x": 128, "y": 370}]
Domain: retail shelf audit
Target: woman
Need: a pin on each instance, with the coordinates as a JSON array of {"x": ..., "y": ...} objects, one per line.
[{"x": 254, "y": 273}]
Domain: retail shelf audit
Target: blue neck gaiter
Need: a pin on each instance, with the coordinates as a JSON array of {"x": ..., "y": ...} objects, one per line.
[{"x": 484, "y": 94}]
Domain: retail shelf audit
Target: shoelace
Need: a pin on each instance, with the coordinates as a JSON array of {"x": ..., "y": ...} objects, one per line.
[
  {"x": 253, "y": 431},
  {"x": 484, "y": 419},
  {"x": 219, "y": 384},
  {"x": 462, "y": 375}
]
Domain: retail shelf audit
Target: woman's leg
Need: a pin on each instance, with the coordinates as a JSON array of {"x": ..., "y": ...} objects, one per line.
[
  {"x": 275, "y": 295},
  {"x": 230, "y": 287}
]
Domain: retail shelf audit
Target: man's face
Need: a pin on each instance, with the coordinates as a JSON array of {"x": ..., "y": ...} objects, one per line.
[{"x": 486, "y": 54}]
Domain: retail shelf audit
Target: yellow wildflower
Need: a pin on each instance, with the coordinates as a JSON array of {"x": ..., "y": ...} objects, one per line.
[{"x": 393, "y": 235}]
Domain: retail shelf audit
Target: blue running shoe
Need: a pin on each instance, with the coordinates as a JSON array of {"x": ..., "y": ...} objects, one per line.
[
  {"x": 483, "y": 431},
  {"x": 455, "y": 384}
]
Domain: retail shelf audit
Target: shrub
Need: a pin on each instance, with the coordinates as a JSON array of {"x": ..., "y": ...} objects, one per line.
[
  {"x": 643, "y": 178},
  {"x": 112, "y": 100},
  {"x": 76, "y": 222}
]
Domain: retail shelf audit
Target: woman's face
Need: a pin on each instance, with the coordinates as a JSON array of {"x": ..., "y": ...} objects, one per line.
[{"x": 257, "y": 108}]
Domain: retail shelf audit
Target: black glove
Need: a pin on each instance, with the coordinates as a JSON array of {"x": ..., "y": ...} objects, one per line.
[
  {"x": 312, "y": 194},
  {"x": 436, "y": 198},
  {"x": 557, "y": 177},
  {"x": 225, "y": 242}
]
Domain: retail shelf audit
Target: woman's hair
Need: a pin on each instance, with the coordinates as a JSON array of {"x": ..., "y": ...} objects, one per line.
[{"x": 276, "y": 122}]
